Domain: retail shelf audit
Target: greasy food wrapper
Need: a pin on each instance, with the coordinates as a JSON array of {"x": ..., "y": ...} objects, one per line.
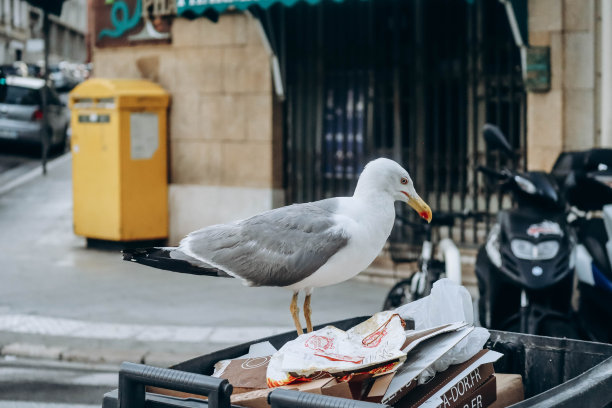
[{"x": 373, "y": 346}]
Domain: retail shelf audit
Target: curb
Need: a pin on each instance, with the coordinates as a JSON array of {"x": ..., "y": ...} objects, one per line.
[
  {"x": 34, "y": 173},
  {"x": 109, "y": 357}
]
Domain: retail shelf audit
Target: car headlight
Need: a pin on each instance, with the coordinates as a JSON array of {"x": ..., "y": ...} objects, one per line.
[{"x": 534, "y": 252}]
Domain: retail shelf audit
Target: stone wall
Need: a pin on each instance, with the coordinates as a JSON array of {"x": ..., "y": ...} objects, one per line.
[
  {"x": 223, "y": 164},
  {"x": 565, "y": 118}
]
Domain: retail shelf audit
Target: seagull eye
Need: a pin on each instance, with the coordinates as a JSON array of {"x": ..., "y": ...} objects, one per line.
[{"x": 404, "y": 180}]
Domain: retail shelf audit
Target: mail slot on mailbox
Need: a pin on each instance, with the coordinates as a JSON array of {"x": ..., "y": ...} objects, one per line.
[{"x": 119, "y": 160}]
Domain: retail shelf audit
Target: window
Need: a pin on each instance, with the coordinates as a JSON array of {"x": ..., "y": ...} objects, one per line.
[{"x": 18, "y": 95}]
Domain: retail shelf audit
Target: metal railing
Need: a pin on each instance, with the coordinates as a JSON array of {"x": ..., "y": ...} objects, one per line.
[{"x": 410, "y": 80}]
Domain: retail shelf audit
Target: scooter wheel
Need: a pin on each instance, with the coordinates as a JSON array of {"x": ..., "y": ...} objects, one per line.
[{"x": 399, "y": 295}]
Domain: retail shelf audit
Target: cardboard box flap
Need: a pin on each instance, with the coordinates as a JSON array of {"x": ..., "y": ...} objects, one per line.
[
  {"x": 379, "y": 388},
  {"x": 324, "y": 386},
  {"x": 419, "y": 359},
  {"x": 248, "y": 372},
  {"x": 488, "y": 357},
  {"x": 509, "y": 390},
  {"x": 482, "y": 397},
  {"x": 425, "y": 391}
]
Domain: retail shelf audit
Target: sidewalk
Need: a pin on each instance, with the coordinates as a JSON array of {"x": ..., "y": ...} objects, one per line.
[{"x": 60, "y": 300}]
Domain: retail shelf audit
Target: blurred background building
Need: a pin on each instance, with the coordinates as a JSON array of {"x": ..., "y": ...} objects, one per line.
[
  {"x": 15, "y": 29},
  {"x": 286, "y": 104},
  {"x": 67, "y": 34},
  {"x": 21, "y": 33}
]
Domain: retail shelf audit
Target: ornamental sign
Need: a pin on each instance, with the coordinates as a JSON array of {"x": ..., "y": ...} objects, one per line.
[{"x": 128, "y": 22}]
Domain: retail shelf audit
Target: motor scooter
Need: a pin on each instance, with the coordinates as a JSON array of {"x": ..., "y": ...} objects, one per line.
[
  {"x": 525, "y": 269},
  {"x": 587, "y": 180}
]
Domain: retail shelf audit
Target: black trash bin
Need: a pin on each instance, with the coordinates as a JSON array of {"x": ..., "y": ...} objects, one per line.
[{"x": 556, "y": 372}]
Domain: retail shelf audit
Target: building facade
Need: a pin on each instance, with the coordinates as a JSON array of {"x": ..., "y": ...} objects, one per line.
[
  {"x": 288, "y": 105},
  {"x": 222, "y": 147},
  {"x": 21, "y": 32},
  {"x": 575, "y": 113},
  {"x": 14, "y": 30},
  {"x": 66, "y": 34}
]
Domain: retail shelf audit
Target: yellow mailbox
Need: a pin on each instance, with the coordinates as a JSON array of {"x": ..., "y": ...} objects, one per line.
[{"x": 119, "y": 160}]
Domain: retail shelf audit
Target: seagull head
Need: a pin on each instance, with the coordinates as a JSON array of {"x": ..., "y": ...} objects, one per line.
[{"x": 385, "y": 175}]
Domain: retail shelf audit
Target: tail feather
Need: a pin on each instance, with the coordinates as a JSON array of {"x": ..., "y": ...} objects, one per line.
[{"x": 162, "y": 258}]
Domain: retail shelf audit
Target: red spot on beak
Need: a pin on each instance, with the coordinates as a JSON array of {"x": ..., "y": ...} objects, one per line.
[{"x": 424, "y": 215}]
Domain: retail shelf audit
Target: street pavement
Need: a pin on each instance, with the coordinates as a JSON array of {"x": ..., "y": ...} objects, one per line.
[
  {"x": 30, "y": 383},
  {"x": 60, "y": 300},
  {"x": 15, "y": 161}
]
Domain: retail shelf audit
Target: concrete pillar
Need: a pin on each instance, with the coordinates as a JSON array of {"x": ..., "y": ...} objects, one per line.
[
  {"x": 545, "y": 110},
  {"x": 565, "y": 117}
]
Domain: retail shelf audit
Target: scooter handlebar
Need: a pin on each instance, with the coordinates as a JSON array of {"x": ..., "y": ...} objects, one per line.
[{"x": 487, "y": 171}]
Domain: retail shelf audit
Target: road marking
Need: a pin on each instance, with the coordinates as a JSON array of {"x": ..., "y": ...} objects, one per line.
[
  {"x": 53, "y": 326},
  {"x": 96, "y": 379},
  {"x": 45, "y": 364},
  {"x": 31, "y": 404},
  {"x": 58, "y": 376}
]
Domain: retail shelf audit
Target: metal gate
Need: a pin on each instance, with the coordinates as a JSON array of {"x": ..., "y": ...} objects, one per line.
[{"x": 410, "y": 80}]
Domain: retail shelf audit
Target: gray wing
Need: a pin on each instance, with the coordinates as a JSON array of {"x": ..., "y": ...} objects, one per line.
[{"x": 276, "y": 248}]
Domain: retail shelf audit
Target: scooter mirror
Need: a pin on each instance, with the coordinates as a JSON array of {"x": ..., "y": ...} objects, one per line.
[{"x": 496, "y": 140}]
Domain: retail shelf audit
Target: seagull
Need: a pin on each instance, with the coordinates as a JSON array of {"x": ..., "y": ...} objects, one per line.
[{"x": 301, "y": 246}]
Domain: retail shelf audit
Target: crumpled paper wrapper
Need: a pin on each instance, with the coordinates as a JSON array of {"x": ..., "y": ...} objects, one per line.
[{"x": 373, "y": 346}]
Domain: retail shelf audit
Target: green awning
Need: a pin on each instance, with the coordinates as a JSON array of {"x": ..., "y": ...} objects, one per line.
[{"x": 191, "y": 8}]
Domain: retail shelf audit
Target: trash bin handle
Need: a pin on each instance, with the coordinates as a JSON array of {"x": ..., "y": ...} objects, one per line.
[
  {"x": 280, "y": 398},
  {"x": 134, "y": 377}
]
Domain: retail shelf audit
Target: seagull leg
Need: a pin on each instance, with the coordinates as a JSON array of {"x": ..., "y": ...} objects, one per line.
[
  {"x": 307, "y": 310},
  {"x": 295, "y": 310}
]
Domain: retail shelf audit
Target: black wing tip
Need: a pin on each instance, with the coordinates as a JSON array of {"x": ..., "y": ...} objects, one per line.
[
  {"x": 128, "y": 255},
  {"x": 133, "y": 254},
  {"x": 160, "y": 258}
]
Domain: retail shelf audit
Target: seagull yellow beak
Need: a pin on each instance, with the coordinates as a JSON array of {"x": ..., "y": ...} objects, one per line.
[{"x": 419, "y": 206}]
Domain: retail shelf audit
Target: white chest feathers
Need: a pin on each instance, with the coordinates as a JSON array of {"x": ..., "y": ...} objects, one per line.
[{"x": 368, "y": 226}]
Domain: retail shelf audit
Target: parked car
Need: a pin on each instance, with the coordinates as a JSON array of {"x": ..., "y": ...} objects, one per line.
[
  {"x": 22, "y": 69},
  {"x": 58, "y": 77},
  {"x": 65, "y": 76},
  {"x": 15, "y": 68},
  {"x": 21, "y": 115},
  {"x": 34, "y": 70}
]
